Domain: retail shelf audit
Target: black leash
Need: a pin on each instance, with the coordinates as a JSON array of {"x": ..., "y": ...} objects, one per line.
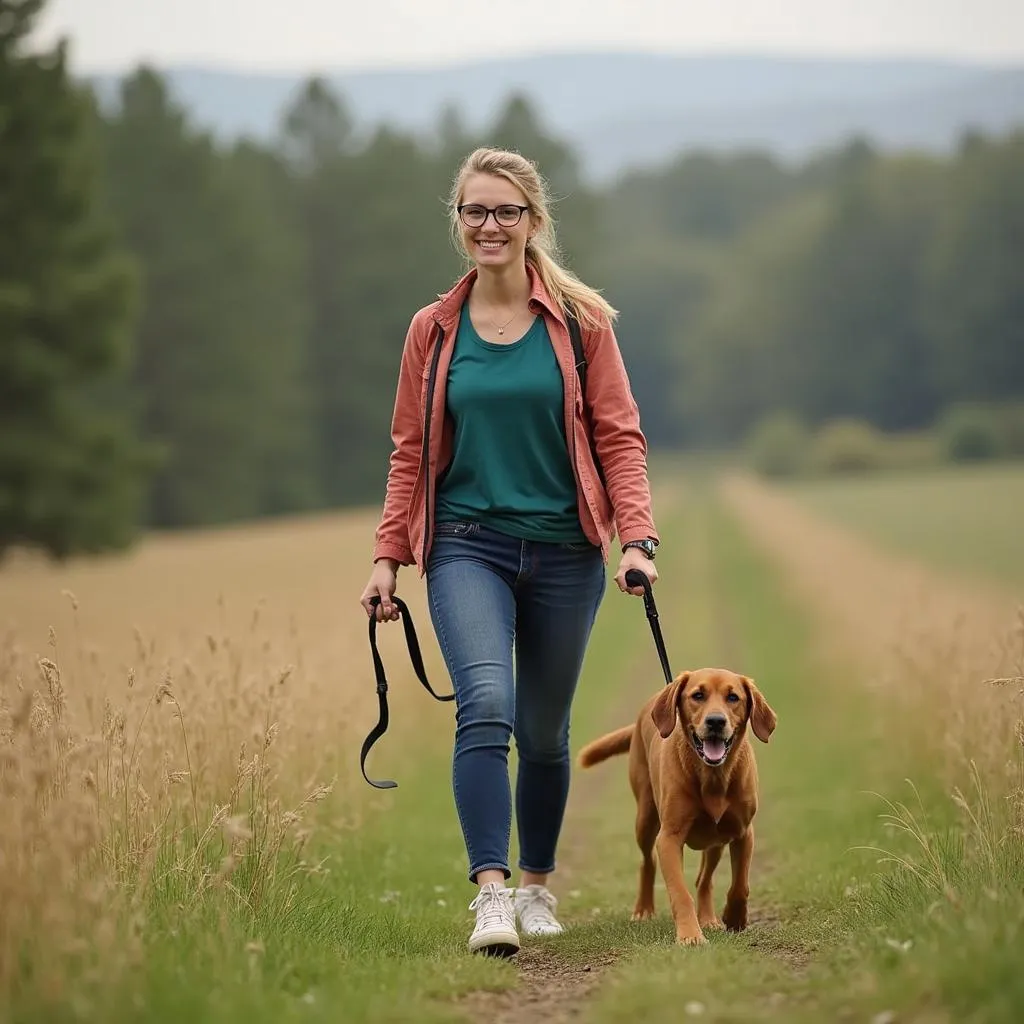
[
  {"x": 636, "y": 578},
  {"x": 416, "y": 657}
]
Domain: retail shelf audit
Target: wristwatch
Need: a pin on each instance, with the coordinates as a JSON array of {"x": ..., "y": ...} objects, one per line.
[{"x": 646, "y": 545}]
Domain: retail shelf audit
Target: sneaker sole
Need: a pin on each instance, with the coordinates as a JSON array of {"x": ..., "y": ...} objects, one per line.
[{"x": 501, "y": 945}]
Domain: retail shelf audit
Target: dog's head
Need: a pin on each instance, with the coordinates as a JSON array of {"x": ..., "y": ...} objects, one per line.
[{"x": 714, "y": 706}]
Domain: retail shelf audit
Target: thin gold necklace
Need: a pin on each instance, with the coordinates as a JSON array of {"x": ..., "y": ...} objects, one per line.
[{"x": 501, "y": 328}]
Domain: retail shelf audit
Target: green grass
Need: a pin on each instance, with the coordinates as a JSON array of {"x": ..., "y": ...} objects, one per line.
[
  {"x": 844, "y": 935},
  {"x": 964, "y": 520},
  {"x": 385, "y": 926},
  {"x": 838, "y": 933}
]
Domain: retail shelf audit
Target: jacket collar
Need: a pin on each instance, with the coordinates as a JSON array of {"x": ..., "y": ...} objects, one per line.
[{"x": 450, "y": 303}]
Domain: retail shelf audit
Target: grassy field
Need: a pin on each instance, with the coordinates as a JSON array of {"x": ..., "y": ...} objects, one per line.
[
  {"x": 187, "y": 835},
  {"x": 967, "y": 521}
]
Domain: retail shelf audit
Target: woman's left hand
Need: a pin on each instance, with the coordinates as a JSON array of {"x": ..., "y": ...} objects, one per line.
[{"x": 634, "y": 558}]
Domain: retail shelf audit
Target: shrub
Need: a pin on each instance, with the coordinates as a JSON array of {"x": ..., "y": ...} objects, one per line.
[
  {"x": 777, "y": 445},
  {"x": 970, "y": 432},
  {"x": 911, "y": 450},
  {"x": 1011, "y": 428},
  {"x": 847, "y": 446}
]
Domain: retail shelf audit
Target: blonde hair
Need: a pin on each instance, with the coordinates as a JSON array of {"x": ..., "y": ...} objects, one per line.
[{"x": 541, "y": 250}]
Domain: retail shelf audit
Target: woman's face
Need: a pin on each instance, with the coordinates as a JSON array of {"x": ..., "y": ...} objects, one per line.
[{"x": 496, "y": 238}]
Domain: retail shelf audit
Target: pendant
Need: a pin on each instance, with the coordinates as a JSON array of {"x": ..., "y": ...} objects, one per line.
[{"x": 501, "y": 330}]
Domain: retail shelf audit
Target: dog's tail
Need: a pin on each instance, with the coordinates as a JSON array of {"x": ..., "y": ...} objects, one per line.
[{"x": 606, "y": 746}]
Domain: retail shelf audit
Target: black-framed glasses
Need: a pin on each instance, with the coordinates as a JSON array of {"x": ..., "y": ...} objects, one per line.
[{"x": 508, "y": 215}]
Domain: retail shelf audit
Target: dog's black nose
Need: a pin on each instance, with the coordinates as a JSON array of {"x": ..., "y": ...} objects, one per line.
[{"x": 715, "y": 722}]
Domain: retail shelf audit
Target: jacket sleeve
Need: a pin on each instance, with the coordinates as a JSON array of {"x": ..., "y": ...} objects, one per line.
[
  {"x": 392, "y": 535},
  {"x": 618, "y": 439}
]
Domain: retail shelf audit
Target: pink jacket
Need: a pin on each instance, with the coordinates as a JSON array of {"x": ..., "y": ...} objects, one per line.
[{"x": 422, "y": 432}]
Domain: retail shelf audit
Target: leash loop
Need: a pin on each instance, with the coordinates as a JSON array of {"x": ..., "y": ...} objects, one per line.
[{"x": 383, "y": 717}]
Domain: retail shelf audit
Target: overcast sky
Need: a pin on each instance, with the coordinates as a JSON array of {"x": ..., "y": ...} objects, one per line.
[{"x": 302, "y": 35}]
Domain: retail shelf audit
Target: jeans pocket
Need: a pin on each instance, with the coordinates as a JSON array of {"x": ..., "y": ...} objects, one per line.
[
  {"x": 581, "y": 545},
  {"x": 460, "y": 529}
]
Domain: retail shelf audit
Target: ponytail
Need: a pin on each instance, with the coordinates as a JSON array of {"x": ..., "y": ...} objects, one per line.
[{"x": 566, "y": 289}]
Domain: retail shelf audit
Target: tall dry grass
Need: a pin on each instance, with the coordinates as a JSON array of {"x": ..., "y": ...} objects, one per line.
[
  {"x": 942, "y": 665},
  {"x": 174, "y": 725}
]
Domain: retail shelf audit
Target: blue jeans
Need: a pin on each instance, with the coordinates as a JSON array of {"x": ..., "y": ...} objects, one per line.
[{"x": 491, "y": 594}]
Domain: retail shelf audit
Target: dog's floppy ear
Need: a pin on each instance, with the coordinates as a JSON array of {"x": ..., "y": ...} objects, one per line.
[
  {"x": 664, "y": 711},
  {"x": 761, "y": 716}
]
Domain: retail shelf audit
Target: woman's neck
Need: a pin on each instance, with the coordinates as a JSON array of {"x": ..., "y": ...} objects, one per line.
[{"x": 505, "y": 286}]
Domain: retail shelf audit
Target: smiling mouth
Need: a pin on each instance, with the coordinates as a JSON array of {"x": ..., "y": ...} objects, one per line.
[
  {"x": 712, "y": 750},
  {"x": 491, "y": 244}
]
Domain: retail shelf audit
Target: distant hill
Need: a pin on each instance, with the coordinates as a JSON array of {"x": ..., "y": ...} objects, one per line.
[{"x": 624, "y": 109}]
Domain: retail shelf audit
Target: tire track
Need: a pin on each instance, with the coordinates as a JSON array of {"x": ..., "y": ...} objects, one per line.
[{"x": 903, "y": 630}]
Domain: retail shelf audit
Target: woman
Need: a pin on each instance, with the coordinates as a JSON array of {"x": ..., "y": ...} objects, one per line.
[{"x": 493, "y": 492}]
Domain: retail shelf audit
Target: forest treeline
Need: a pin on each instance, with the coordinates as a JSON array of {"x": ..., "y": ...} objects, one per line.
[{"x": 195, "y": 332}]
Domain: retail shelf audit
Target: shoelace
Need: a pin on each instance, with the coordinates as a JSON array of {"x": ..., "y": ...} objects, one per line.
[
  {"x": 492, "y": 903},
  {"x": 537, "y": 903}
]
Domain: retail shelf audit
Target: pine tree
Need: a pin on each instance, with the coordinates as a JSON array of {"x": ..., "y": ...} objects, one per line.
[
  {"x": 71, "y": 470},
  {"x": 377, "y": 248},
  {"x": 221, "y": 368}
]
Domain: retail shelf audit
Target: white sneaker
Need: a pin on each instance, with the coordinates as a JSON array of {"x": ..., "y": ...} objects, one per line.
[
  {"x": 495, "y": 932},
  {"x": 535, "y": 906}
]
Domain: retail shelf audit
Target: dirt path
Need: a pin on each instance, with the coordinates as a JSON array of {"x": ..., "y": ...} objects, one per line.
[
  {"x": 885, "y": 601},
  {"x": 550, "y": 988},
  {"x": 902, "y": 624},
  {"x": 551, "y": 985},
  {"x": 899, "y": 627},
  {"x": 556, "y": 985}
]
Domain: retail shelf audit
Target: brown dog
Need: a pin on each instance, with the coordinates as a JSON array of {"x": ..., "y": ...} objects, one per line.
[{"x": 694, "y": 777}]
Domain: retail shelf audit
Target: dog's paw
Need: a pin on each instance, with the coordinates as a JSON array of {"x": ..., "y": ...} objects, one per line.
[
  {"x": 643, "y": 913},
  {"x": 711, "y": 924},
  {"x": 691, "y": 939},
  {"x": 735, "y": 916}
]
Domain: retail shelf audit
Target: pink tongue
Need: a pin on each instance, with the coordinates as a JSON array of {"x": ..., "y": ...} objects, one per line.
[{"x": 714, "y": 750}]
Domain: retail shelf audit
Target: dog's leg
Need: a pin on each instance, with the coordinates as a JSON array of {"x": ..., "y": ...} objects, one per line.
[
  {"x": 669, "y": 845},
  {"x": 741, "y": 851},
  {"x": 647, "y": 825},
  {"x": 705, "y": 901}
]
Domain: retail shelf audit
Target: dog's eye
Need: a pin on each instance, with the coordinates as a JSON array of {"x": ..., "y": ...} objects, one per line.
[
  {"x": 732, "y": 698},
  {"x": 697, "y": 695}
]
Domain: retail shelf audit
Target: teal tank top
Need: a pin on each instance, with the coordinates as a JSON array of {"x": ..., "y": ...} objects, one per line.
[{"x": 510, "y": 467}]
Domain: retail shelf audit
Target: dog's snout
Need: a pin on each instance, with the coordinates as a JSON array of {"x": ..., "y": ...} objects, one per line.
[{"x": 715, "y": 722}]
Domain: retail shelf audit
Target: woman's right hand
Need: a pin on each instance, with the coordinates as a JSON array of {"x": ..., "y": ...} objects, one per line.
[{"x": 382, "y": 584}]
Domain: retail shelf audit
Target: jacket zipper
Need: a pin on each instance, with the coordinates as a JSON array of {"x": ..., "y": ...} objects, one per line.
[{"x": 425, "y": 456}]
